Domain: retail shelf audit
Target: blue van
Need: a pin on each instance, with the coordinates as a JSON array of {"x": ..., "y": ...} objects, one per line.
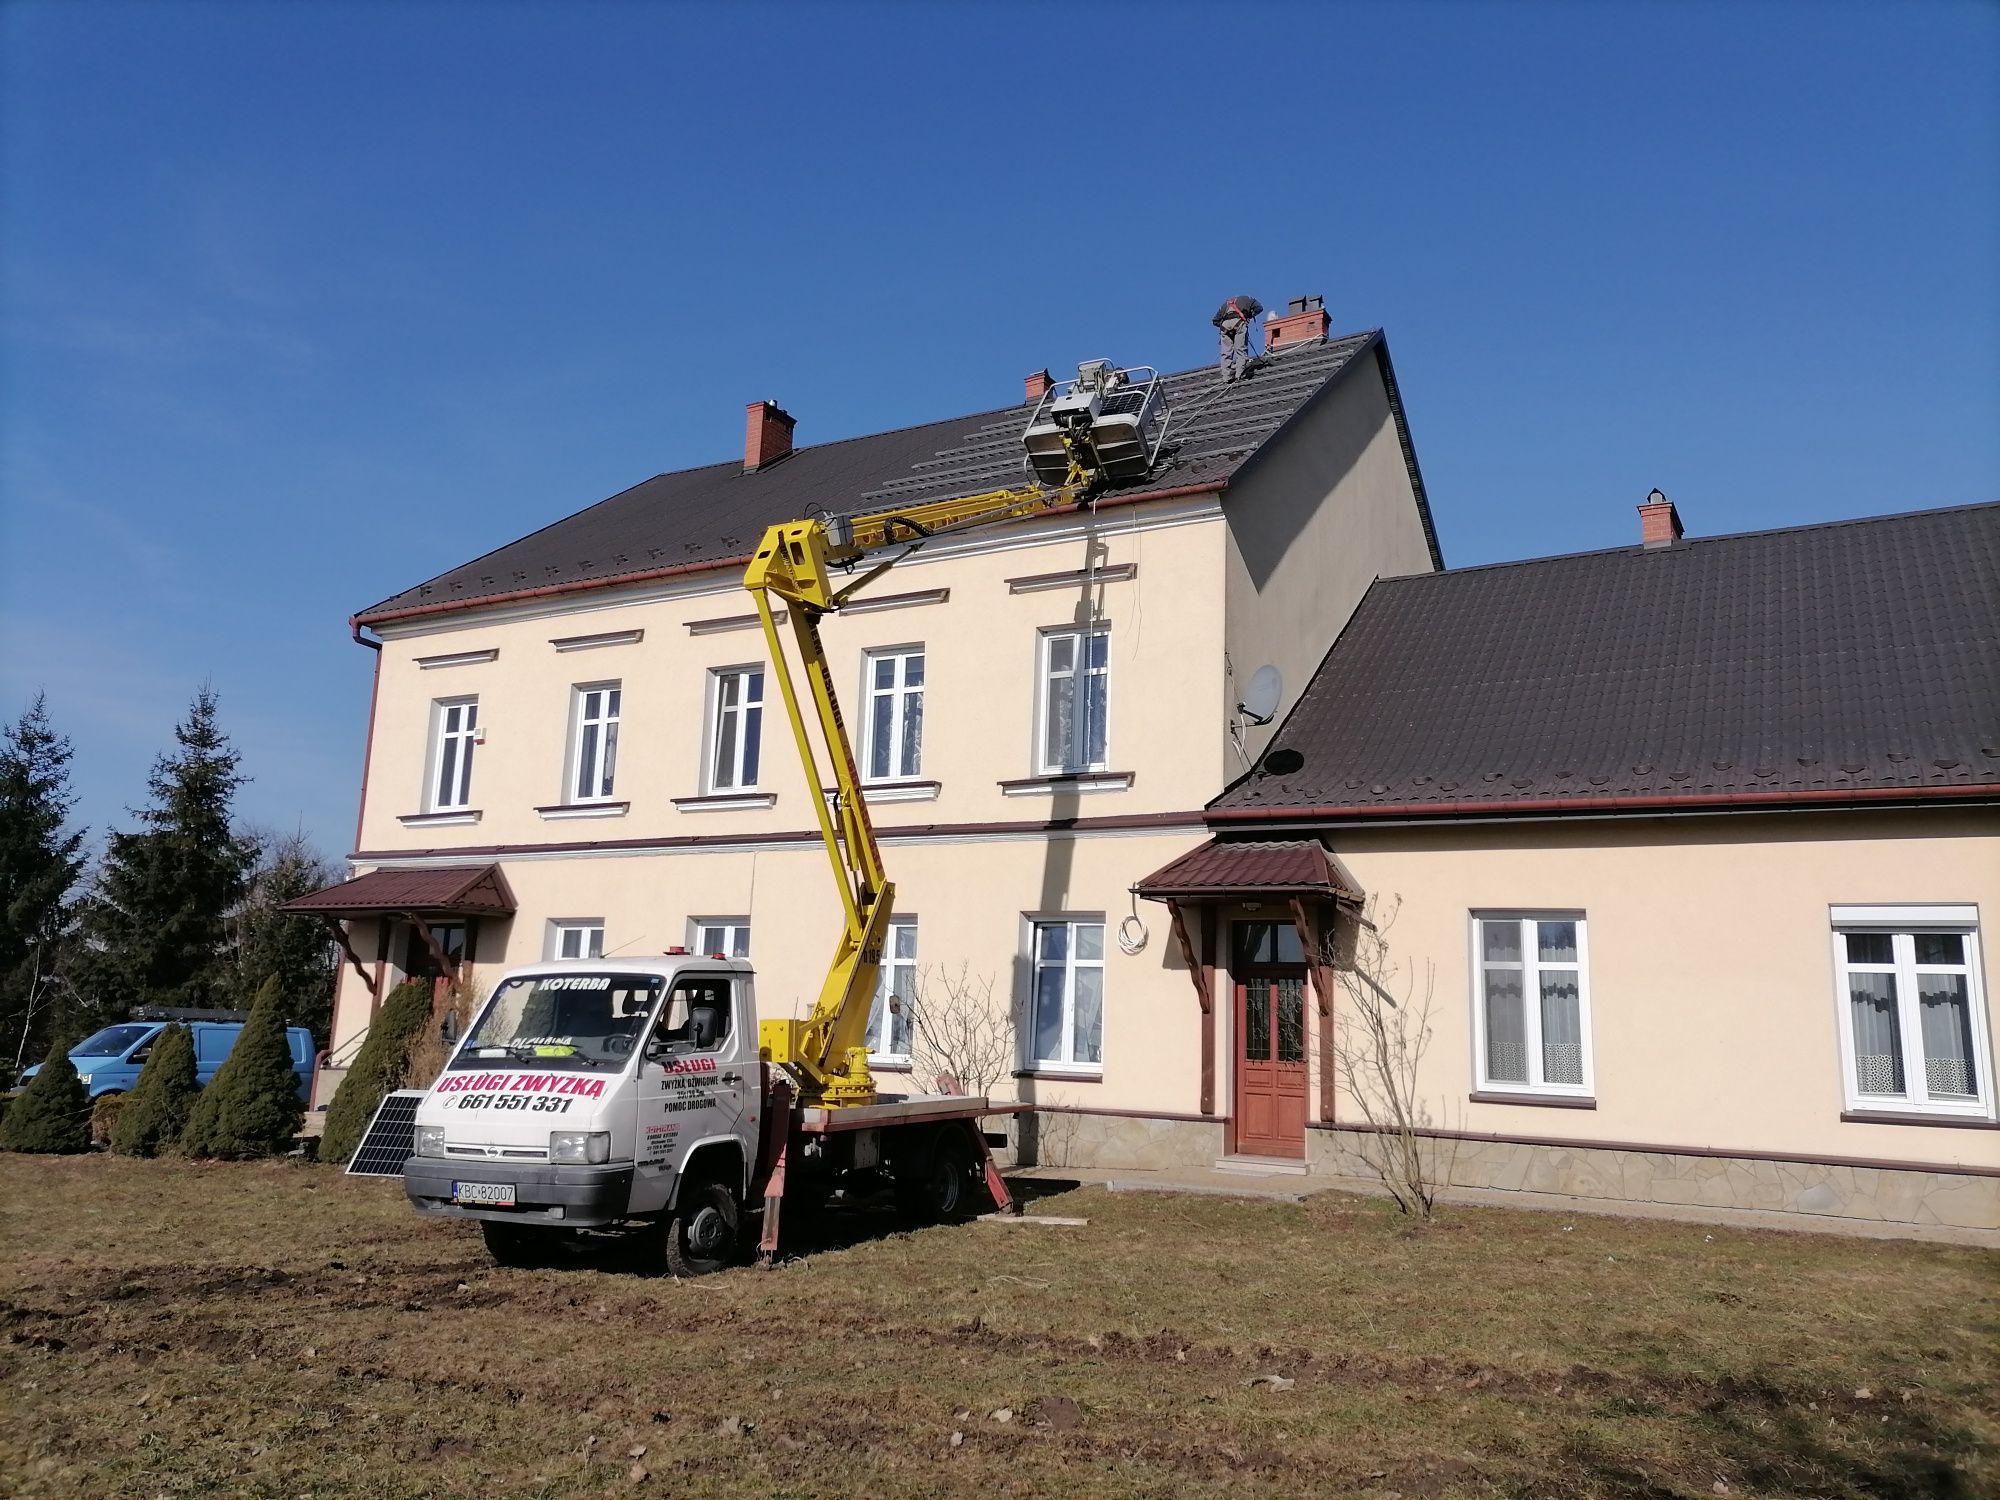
[{"x": 109, "y": 1062}]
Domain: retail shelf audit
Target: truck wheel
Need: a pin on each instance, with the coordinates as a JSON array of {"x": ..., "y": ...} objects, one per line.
[
  {"x": 941, "y": 1187},
  {"x": 512, "y": 1245},
  {"x": 703, "y": 1234}
]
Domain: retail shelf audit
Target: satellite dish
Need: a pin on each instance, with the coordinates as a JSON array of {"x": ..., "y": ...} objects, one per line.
[
  {"x": 1261, "y": 698},
  {"x": 1283, "y": 763}
]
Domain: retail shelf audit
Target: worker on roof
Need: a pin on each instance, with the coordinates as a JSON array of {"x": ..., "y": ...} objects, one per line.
[{"x": 1233, "y": 321}]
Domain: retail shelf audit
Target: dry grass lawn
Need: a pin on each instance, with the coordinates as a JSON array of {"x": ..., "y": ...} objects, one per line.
[{"x": 279, "y": 1330}]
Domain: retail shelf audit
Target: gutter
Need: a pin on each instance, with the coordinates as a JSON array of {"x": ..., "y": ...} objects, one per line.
[
  {"x": 1492, "y": 810},
  {"x": 367, "y": 745},
  {"x": 682, "y": 570}
]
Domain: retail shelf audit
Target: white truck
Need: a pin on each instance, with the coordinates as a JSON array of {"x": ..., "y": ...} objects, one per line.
[{"x": 601, "y": 1094}]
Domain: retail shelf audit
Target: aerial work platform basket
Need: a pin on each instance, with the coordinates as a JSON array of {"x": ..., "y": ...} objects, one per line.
[{"x": 1118, "y": 418}]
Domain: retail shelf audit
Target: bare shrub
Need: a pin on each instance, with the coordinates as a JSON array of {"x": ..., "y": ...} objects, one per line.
[
  {"x": 1378, "y": 1049},
  {"x": 1055, "y": 1131},
  {"x": 960, "y": 1036},
  {"x": 434, "y": 1044}
]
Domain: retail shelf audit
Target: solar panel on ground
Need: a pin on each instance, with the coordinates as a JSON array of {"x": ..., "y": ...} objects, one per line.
[{"x": 391, "y": 1138}]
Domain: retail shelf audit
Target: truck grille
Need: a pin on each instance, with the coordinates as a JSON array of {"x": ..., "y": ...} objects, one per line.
[{"x": 499, "y": 1153}]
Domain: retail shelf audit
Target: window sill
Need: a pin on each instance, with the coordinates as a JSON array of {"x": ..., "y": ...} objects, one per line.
[
  {"x": 456, "y": 815},
  {"x": 583, "y": 810},
  {"x": 890, "y": 1065},
  {"x": 1537, "y": 1101},
  {"x": 901, "y": 791},
  {"x": 1913, "y": 1117},
  {"x": 1071, "y": 781},
  {"x": 1057, "y": 1070},
  {"x": 726, "y": 802}
]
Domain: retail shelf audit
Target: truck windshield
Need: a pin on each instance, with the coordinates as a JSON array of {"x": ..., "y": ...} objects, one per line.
[
  {"x": 110, "y": 1042},
  {"x": 563, "y": 1020}
]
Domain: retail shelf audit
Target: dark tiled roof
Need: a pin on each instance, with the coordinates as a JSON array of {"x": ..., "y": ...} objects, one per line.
[
  {"x": 1274, "y": 867},
  {"x": 470, "y": 889},
  {"x": 1850, "y": 658},
  {"x": 714, "y": 515}
]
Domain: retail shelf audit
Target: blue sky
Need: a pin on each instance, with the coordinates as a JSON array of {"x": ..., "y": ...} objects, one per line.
[{"x": 306, "y": 303}]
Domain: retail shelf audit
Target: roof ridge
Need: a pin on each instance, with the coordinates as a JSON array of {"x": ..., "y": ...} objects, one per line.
[{"x": 1694, "y": 541}]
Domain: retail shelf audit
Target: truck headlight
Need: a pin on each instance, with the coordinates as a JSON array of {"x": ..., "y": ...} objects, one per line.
[
  {"x": 430, "y": 1140},
  {"x": 591, "y": 1147}
]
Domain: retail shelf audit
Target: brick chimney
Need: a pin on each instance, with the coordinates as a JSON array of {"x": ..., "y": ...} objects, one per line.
[
  {"x": 767, "y": 436},
  {"x": 1659, "y": 522},
  {"x": 1303, "y": 318},
  {"x": 1038, "y": 386}
]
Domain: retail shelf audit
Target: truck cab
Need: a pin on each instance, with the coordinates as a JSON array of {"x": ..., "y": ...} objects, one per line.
[{"x": 590, "y": 1093}]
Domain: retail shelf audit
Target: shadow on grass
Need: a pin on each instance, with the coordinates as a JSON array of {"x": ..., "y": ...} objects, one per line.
[{"x": 1766, "y": 1447}]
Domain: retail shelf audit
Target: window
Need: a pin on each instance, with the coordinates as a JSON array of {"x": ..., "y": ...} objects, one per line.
[
  {"x": 454, "y": 731},
  {"x": 594, "y": 750},
  {"x": 895, "y": 722},
  {"x": 1533, "y": 1003},
  {"x": 1069, "y": 994},
  {"x": 736, "y": 709},
  {"x": 697, "y": 1013},
  {"x": 729, "y": 936},
  {"x": 1912, "y": 1019},
  {"x": 577, "y": 937},
  {"x": 895, "y": 993},
  {"x": 1075, "y": 667}
]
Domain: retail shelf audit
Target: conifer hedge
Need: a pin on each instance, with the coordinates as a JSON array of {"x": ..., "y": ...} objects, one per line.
[
  {"x": 157, "y": 1109},
  {"x": 381, "y": 1065},
  {"x": 253, "y": 1107},
  {"x": 52, "y": 1113}
]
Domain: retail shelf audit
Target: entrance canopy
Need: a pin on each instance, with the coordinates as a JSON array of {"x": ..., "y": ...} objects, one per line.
[
  {"x": 1229, "y": 871},
  {"x": 445, "y": 890}
]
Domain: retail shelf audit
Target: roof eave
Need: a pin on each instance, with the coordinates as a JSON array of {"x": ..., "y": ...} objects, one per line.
[
  {"x": 369, "y": 618},
  {"x": 1499, "y": 810}
]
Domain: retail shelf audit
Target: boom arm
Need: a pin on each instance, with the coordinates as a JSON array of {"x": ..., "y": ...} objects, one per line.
[{"x": 826, "y": 1050}]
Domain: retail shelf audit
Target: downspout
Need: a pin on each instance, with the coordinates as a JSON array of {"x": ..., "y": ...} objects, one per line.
[{"x": 374, "y": 693}]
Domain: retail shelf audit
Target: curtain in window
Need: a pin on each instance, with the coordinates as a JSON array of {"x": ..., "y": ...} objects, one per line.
[
  {"x": 1506, "y": 1027},
  {"x": 1562, "y": 1027},
  {"x": 1878, "y": 1049},
  {"x": 1947, "y": 1029}
]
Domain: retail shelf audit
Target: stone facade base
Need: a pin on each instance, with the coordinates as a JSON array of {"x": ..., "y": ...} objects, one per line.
[
  {"x": 1062, "y": 1138},
  {"x": 1875, "y": 1195}
]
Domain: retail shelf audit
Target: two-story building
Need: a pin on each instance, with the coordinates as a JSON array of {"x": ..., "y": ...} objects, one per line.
[{"x": 569, "y": 752}]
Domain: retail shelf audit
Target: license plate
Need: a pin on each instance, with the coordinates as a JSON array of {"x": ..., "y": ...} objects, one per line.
[{"x": 493, "y": 1194}]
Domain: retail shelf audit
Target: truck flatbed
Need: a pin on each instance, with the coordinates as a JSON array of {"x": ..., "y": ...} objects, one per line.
[{"x": 902, "y": 1109}]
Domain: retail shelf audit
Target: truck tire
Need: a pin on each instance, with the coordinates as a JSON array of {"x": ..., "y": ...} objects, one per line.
[
  {"x": 514, "y": 1245},
  {"x": 941, "y": 1186},
  {"x": 704, "y": 1233}
]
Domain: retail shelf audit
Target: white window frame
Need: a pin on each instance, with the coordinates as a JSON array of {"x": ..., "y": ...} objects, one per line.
[
  {"x": 460, "y": 736},
  {"x": 1531, "y": 1006},
  {"x": 886, "y": 985},
  {"x": 1032, "y": 949},
  {"x": 732, "y": 926},
  {"x": 580, "y": 776},
  {"x": 589, "y": 932},
  {"x": 1903, "y": 923},
  {"x": 1081, "y": 635},
  {"x": 901, "y": 694},
  {"x": 712, "y": 769}
]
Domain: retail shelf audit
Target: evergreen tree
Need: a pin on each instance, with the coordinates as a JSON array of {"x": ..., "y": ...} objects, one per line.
[
  {"x": 39, "y": 865},
  {"x": 156, "y": 1111},
  {"x": 252, "y": 1108},
  {"x": 154, "y": 927},
  {"x": 381, "y": 1065},
  {"x": 294, "y": 948},
  {"x": 52, "y": 1113}
]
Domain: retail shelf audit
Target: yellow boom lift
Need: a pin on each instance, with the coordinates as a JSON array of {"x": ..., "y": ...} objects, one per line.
[{"x": 1105, "y": 425}]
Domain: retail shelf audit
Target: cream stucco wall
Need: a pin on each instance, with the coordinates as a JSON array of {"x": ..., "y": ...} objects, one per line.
[
  {"x": 972, "y": 899},
  {"x": 1312, "y": 522},
  {"x": 1711, "y": 987},
  {"x": 981, "y": 664}
]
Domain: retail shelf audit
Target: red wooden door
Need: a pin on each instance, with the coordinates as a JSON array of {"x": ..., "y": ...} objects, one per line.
[{"x": 1271, "y": 1062}]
